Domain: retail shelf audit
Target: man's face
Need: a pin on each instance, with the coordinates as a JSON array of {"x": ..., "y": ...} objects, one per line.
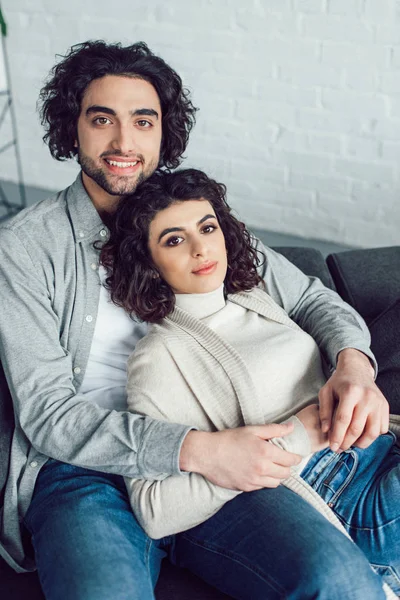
[{"x": 119, "y": 136}]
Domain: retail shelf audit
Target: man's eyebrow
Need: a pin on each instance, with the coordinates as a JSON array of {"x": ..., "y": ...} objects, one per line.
[
  {"x": 96, "y": 108},
  {"x": 172, "y": 229},
  {"x": 149, "y": 112}
]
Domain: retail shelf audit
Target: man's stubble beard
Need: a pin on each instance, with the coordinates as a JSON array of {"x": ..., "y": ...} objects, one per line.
[{"x": 120, "y": 185}]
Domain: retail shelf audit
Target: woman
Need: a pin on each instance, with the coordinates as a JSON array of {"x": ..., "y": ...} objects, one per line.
[{"x": 229, "y": 355}]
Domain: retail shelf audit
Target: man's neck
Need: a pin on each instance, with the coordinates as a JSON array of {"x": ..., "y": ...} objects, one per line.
[{"x": 103, "y": 202}]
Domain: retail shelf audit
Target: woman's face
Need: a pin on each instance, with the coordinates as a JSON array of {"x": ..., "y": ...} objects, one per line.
[{"x": 188, "y": 247}]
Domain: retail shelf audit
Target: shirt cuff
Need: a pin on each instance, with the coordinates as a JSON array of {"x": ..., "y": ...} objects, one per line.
[{"x": 159, "y": 452}]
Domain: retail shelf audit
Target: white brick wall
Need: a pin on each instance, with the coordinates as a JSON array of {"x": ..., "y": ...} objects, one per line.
[{"x": 299, "y": 99}]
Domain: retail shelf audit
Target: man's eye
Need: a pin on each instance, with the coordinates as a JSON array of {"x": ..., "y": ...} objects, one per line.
[
  {"x": 144, "y": 124},
  {"x": 174, "y": 241},
  {"x": 102, "y": 121}
]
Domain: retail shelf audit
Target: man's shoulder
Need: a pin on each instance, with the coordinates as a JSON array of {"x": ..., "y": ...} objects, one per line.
[{"x": 39, "y": 215}]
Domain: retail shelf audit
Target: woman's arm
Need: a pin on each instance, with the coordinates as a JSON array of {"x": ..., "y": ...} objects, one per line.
[{"x": 156, "y": 387}]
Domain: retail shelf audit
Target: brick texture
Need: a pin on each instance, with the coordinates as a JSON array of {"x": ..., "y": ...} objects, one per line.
[{"x": 299, "y": 99}]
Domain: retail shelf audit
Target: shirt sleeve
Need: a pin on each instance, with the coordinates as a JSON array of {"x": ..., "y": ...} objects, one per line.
[
  {"x": 320, "y": 311},
  {"x": 53, "y": 418}
]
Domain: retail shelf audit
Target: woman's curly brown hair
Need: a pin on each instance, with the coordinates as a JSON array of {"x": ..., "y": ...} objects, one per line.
[
  {"x": 133, "y": 279},
  {"x": 60, "y": 99}
]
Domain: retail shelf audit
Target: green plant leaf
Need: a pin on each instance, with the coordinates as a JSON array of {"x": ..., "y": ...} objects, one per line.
[{"x": 3, "y": 25}]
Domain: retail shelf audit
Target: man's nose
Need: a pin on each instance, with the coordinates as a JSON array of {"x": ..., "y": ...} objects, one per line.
[{"x": 124, "y": 139}]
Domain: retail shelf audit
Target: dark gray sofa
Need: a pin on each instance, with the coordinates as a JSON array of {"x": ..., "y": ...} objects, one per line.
[{"x": 370, "y": 281}]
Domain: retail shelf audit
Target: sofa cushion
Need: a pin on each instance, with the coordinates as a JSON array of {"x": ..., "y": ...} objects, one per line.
[
  {"x": 368, "y": 279},
  {"x": 386, "y": 347}
]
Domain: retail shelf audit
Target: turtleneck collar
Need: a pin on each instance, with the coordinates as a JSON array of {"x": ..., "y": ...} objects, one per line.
[{"x": 202, "y": 305}]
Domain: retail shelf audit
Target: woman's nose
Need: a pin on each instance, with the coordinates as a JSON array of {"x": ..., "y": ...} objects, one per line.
[{"x": 199, "y": 248}]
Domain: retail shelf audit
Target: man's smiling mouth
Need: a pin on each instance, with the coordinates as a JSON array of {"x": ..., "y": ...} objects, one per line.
[{"x": 121, "y": 165}]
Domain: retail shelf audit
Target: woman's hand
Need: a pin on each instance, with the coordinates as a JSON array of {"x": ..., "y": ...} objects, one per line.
[{"x": 309, "y": 416}]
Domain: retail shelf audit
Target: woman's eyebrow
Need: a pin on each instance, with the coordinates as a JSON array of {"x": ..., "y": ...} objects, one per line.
[{"x": 172, "y": 229}]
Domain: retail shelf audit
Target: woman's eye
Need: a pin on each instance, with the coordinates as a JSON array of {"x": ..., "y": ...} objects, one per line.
[
  {"x": 209, "y": 228},
  {"x": 174, "y": 241}
]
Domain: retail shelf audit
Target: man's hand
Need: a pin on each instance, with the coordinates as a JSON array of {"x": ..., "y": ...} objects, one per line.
[
  {"x": 239, "y": 458},
  {"x": 310, "y": 418},
  {"x": 352, "y": 408}
]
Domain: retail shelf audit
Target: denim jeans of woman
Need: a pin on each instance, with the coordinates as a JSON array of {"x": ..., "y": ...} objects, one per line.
[
  {"x": 363, "y": 489},
  {"x": 267, "y": 544}
]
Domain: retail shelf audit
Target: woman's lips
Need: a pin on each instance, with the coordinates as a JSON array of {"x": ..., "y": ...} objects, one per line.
[{"x": 206, "y": 269}]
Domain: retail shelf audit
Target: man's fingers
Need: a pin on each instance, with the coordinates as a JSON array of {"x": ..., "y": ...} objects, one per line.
[
  {"x": 357, "y": 427},
  {"x": 278, "y": 471},
  {"x": 326, "y": 407},
  {"x": 341, "y": 422},
  {"x": 371, "y": 432},
  {"x": 385, "y": 417}
]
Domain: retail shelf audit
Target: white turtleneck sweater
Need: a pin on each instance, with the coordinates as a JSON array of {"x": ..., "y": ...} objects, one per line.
[
  {"x": 218, "y": 364},
  {"x": 268, "y": 348}
]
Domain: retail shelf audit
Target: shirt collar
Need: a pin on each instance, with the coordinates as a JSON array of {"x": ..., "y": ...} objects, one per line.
[{"x": 86, "y": 221}]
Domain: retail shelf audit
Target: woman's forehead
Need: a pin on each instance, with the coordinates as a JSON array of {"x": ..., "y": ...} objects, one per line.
[{"x": 183, "y": 213}]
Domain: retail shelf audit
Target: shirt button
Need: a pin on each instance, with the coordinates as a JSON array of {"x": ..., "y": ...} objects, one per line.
[
  {"x": 103, "y": 232},
  {"x": 94, "y": 266},
  {"x": 81, "y": 234},
  {"x": 77, "y": 370},
  {"x": 33, "y": 464},
  {"x": 89, "y": 318}
]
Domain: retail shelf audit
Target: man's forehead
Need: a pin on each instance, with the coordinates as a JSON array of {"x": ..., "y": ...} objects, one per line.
[{"x": 121, "y": 93}]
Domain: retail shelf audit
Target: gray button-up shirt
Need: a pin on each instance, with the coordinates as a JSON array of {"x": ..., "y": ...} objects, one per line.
[{"x": 49, "y": 294}]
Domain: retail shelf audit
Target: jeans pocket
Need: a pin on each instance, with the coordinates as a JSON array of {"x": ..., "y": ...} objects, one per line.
[
  {"x": 338, "y": 478},
  {"x": 389, "y": 576}
]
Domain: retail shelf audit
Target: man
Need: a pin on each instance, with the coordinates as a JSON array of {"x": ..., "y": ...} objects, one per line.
[{"x": 123, "y": 113}]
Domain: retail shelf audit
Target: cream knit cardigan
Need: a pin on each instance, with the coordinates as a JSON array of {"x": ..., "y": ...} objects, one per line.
[{"x": 216, "y": 390}]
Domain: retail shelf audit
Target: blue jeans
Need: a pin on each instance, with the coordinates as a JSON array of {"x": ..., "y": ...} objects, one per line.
[
  {"x": 363, "y": 489},
  {"x": 267, "y": 544}
]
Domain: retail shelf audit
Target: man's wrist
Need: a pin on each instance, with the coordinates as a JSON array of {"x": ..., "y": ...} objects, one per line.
[
  {"x": 192, "y": 453},
  {"x": 354, "y": 357}
]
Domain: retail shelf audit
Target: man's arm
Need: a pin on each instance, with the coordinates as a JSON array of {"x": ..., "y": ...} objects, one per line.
[
  {"x": 353, "y": 409},
  {"x": 320, "y": 311},
  {"x": 56, "y": 420}
]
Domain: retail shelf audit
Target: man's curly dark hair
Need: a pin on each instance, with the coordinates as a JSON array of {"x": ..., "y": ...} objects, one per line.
[
  {"x": 132, "y": 277},
  {"x": 60, "y": 99}
]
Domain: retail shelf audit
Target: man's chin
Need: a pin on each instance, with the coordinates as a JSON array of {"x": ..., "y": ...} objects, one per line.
[{"x": 119, "y": 188}]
